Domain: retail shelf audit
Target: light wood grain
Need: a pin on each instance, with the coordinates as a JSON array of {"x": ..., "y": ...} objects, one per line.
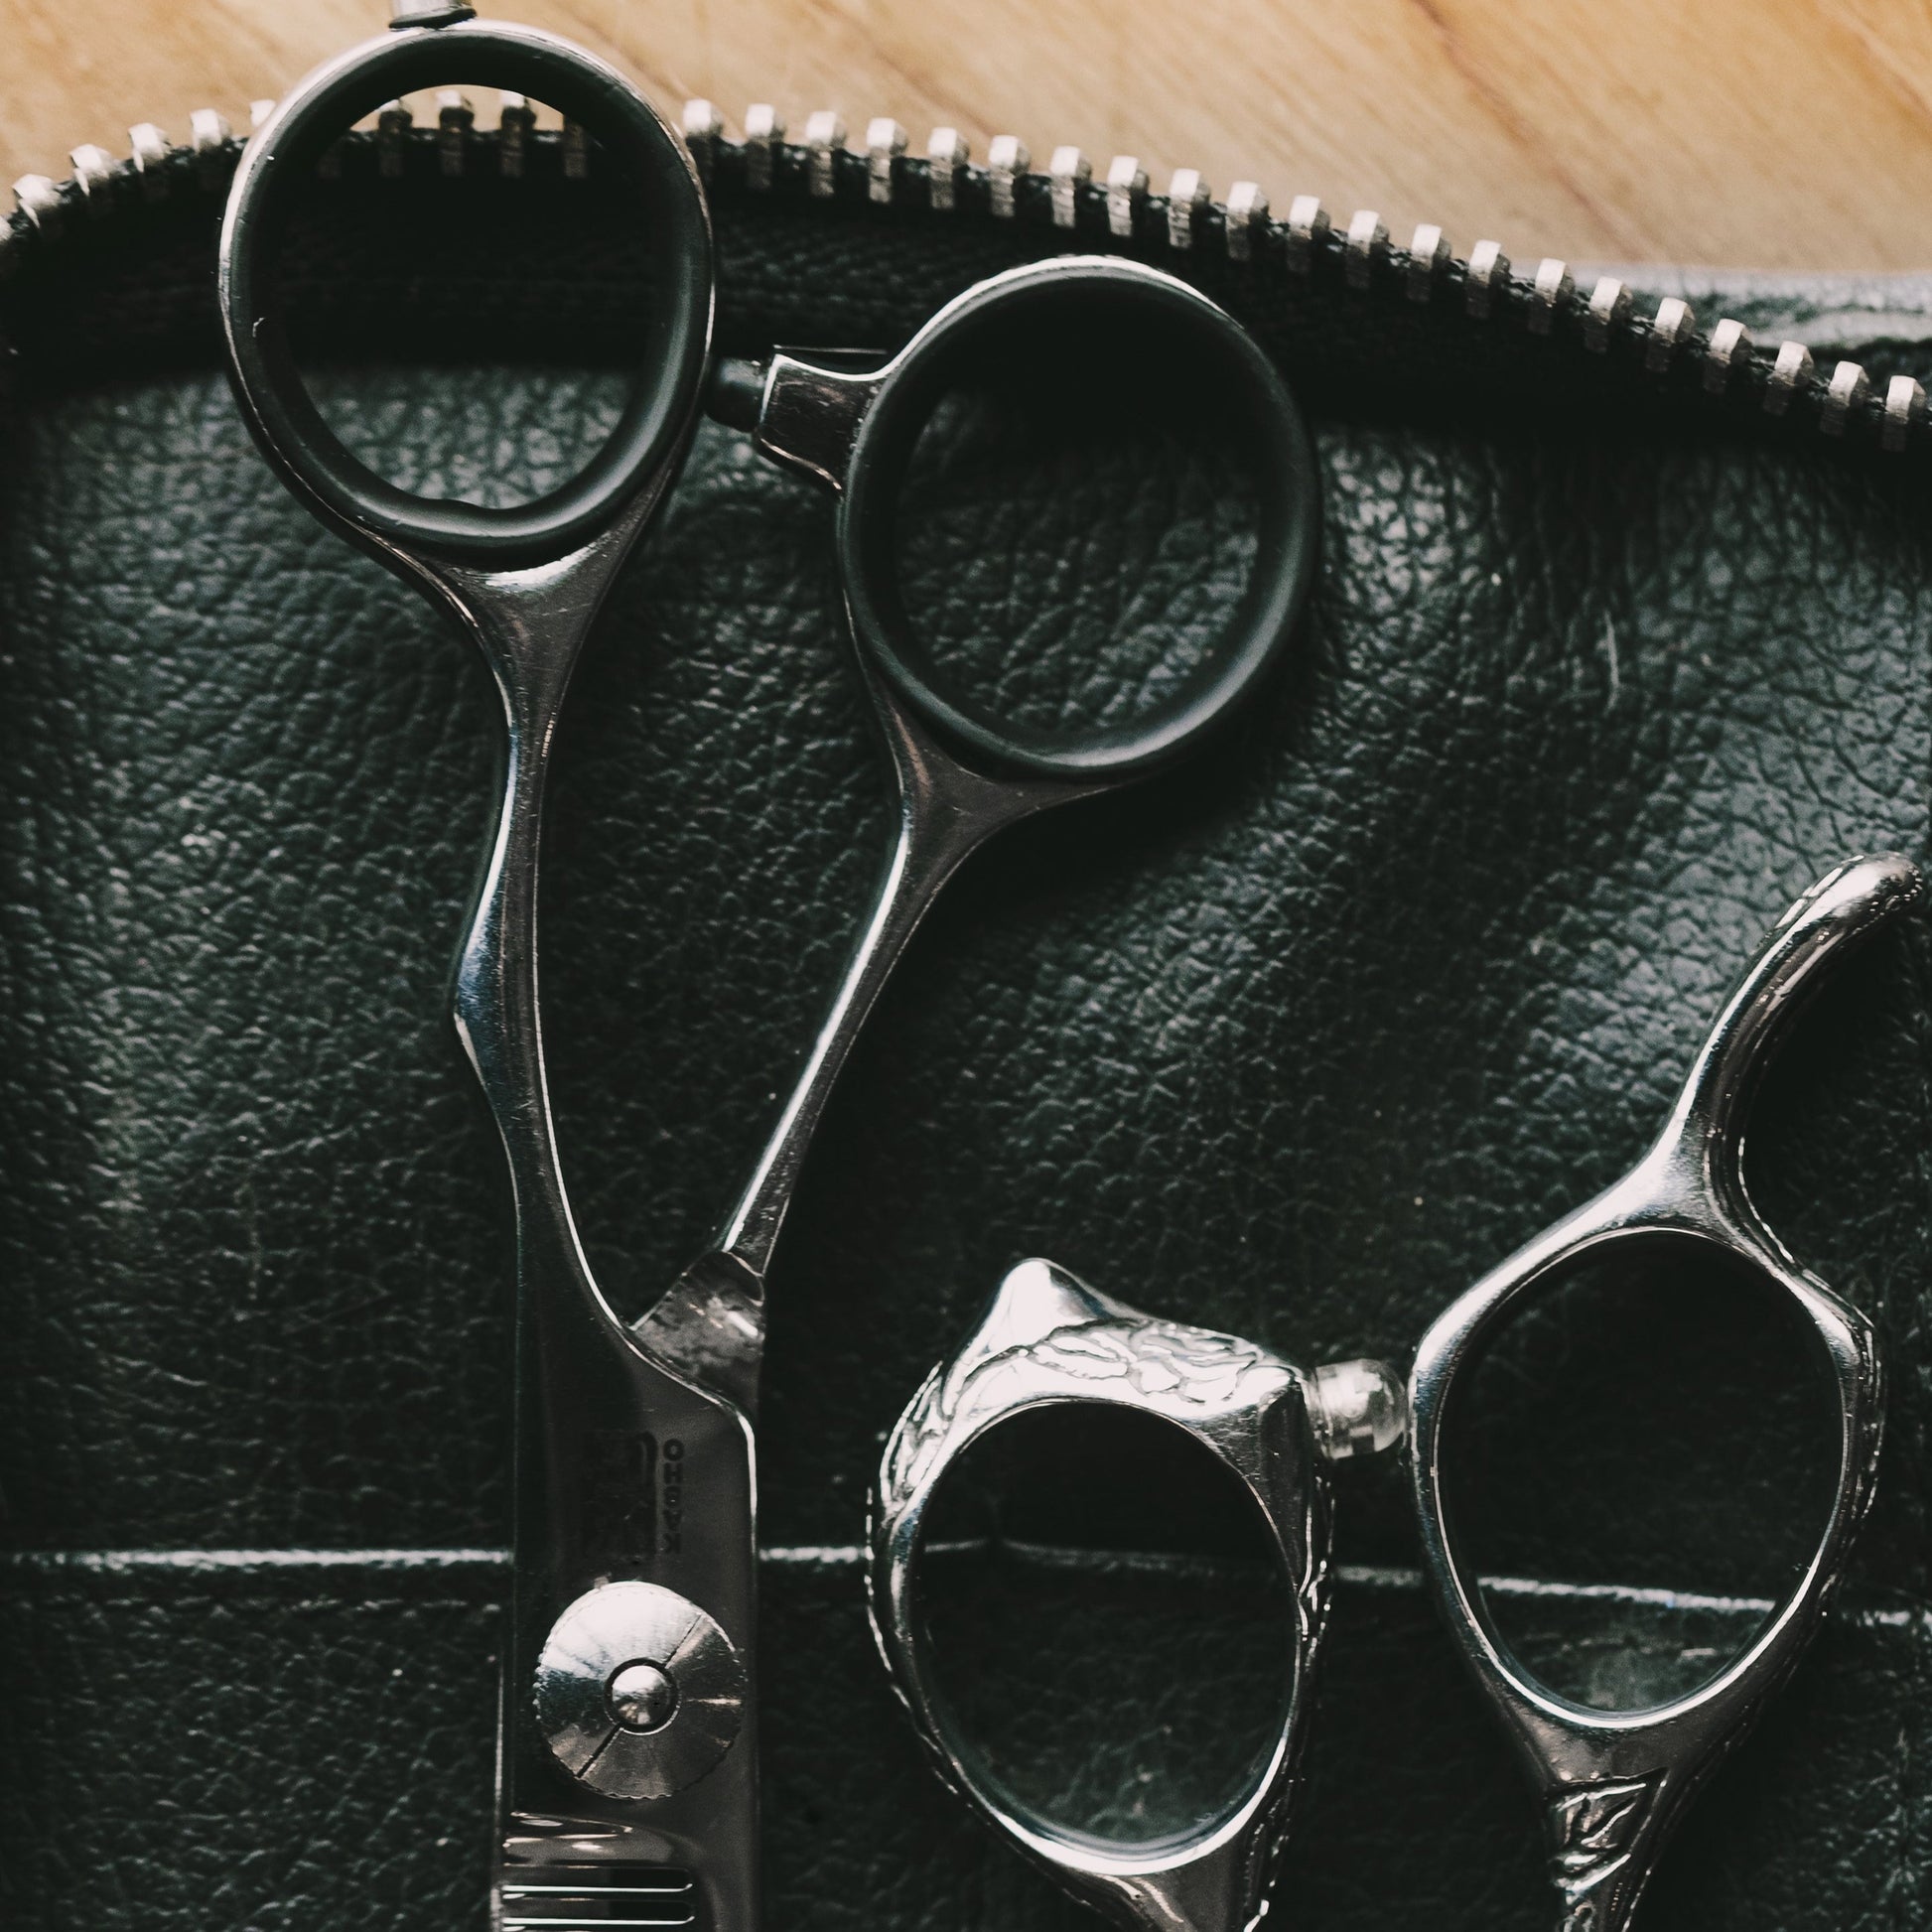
[{"x": 1750, "y": 133}]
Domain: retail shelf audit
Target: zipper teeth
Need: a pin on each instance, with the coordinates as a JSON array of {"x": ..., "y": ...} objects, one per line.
[{"x": 945, "y": 181}]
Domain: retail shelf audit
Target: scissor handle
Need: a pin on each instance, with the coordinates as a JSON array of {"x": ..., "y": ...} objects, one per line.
[
  {"x": 857, "y": 433},
  {"x": 1614, "y": 1783},
  {"x": 674, "y": 320},
  {"x": 1046, "y": 1339}
]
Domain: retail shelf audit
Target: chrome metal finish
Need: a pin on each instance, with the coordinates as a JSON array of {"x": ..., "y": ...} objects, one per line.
[
  {"x": 639, "y": 1692},
  {"x": 1614, "y": 1783},
  {"x": 1126, "y": 188},
  {"x": 824, "y": 143},
  {"x": 1368, "y": 240},
  {"x": 959, "y": 781},
  {"x": 1552, "y": 289},
  {"x": 595, "y": 1895},
  {"x": 946, "y": 154},
  {"x": 1789, "y": 372},
  {"x": 516, "y": 124},
  {"x": 711, "y": 1322},
  {"x": 1358, "y": 1408},
  {"x": 209, "y": 135},
  {"x": 37, "y": 198},
  {"x": 93, "y": 175},
  {"x": 1488, "y": 271},
  {"x": 1728, "y": 350},
  {"x": 884, "y": 143},
  {"x": 703, "y": 127},
  {"x": 1247, "y": 212},
  {"x": 643, "y": 1697},
  {"x": 1045, "y": 1339},
  {"x": 454, "y": 118},
  {"x": 764, "y": 133},
  {"x": 1670, "y": 330},
  {"x": 1307, "y": 228},
  {"x": 1429, "y": 258},
  {"x": 1904, "y": 405},
  {"x": 1007, "y": 158},
  {"x": 94, "y": 168},
  {"x": 510, "y": 149},
  {"x": 1067, "y": 173},
  {"x": 429, "y": 13},
  {"x": 1609, "y": 309},
  {"x": 1850, "y": 385},
  {"x": 148, "y": 149},
  {"x": 633, "y": 1480},
  {"x": 1187, "y": 196},
  {"x": 392, "y": 126}
]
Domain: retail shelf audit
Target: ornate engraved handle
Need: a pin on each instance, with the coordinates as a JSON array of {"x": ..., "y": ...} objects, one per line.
[
  {"x": 1047, "y": 1338},
  {"x": 1613, "y": 1784}
]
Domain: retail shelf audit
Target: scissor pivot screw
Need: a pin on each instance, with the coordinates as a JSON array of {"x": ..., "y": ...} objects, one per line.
[
  {"x": 643, "y": 1696},
  {"x": 1357, "y": 1409},
  {"x": 638, "y": 1691}
]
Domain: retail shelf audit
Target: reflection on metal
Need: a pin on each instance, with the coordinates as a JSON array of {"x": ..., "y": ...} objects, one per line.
[
  {"x": 1047, "y": 1339},
  {"x": 1614, "y": 1783},
  {"x": 635, "y": 1474},
  {"x": 638, "y": 1691}
]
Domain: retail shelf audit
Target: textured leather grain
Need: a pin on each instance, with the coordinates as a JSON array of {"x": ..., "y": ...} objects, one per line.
[{"x": 1295, "y": 1042}]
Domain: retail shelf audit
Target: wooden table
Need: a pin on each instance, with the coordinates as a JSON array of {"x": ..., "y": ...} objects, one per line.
[{"x": 1745, "y": 133}]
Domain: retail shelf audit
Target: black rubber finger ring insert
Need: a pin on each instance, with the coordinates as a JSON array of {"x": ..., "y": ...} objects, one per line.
[
  {"x": 1215, "y": 350},
  {"x": 674, "y": 320}
]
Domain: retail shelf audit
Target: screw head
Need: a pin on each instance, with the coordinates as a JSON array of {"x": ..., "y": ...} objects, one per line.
[
  {"x": 638, "y": 1691},
  {"x": 643, "y": 1696}
]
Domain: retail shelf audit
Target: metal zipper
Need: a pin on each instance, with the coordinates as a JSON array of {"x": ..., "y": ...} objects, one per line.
[{"x": 1110, "y": 209}]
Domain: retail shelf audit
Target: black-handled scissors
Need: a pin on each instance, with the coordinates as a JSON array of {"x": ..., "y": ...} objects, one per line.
[
  {"x": 628, "y": 1763},
  {"x": 1614, "y": 1783}
]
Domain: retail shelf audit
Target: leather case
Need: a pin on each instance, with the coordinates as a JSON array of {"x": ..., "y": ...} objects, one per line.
[{"x": 1601, "y": 668}]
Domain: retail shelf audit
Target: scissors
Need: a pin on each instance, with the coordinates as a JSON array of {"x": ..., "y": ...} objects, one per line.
[
  {"x": 1613, "y": 1784},
  {"x": 627, "y": 1783},
  {"x": 1046, "y": 1340}
]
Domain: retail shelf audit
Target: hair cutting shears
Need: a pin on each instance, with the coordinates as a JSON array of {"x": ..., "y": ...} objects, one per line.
[
  {"x": 627, "y": 1780},
  {"x": 1048, "y": 1340},
  {"x": 1614, "y": 1783}
]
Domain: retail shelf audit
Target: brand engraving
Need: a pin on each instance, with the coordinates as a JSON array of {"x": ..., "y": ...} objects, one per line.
[{"x": 671, "y": 1508}]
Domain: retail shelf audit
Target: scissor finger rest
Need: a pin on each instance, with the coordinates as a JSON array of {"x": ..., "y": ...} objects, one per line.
[
  {"x": 1047, "y": 1339},
  {"x": 1612, "y": 1784}
]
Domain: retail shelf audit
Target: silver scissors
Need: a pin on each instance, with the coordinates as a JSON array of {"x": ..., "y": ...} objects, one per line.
[
  {"x": 627, "y": 1783},
  {"x": 1614, "y": 1783},
  {"x": 1048, "y": 1340}
]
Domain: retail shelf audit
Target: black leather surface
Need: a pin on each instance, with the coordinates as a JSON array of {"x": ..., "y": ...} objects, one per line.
[{"x": 1297, "y": 1044}]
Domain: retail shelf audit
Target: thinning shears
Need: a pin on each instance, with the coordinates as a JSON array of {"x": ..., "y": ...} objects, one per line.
[{"x": 628, "y": 1785}]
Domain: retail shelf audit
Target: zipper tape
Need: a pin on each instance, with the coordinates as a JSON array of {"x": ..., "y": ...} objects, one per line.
[{"x": 1778, "y": 380}]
